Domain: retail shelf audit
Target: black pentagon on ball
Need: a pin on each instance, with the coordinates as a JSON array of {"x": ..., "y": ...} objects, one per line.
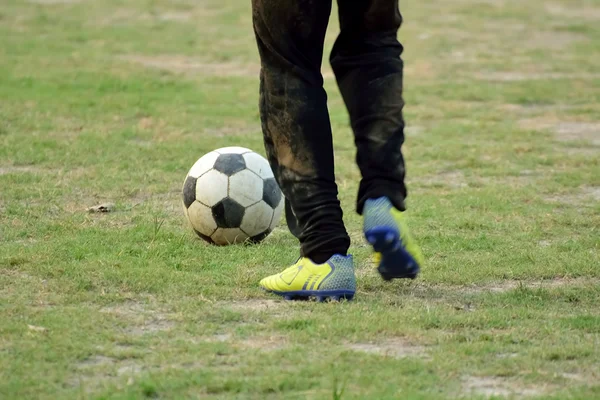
[
  {"x": 204, "y": 237},
  {"x": 229, "y": 164},
  {"x": 271, "y": 192},
  {"x": 228, "y": 213},
  {"x": 189, "y": 191},
  {"x": 260, "y": 237}
]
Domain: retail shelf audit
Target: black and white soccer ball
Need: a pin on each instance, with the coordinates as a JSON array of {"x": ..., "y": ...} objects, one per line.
[{"x": 230, "y": 196}]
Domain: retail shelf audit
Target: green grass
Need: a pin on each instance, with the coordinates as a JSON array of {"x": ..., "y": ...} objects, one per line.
[{"x": 115, "y": 100}]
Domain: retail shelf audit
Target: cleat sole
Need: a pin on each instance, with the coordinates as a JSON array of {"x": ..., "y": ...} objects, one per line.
[
  {"x": 320, "y": 296},
  {"x": 396, "y": 262}
]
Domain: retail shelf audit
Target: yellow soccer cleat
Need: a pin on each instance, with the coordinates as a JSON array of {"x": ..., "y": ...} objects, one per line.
[
  {"x": 333, "y": 279},
  {"x": 397, "y": 253}
]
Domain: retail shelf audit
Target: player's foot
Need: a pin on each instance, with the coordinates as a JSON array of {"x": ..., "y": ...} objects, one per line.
[
  {"x": 386, "y": 230},
  {"x": 333, "y": 279}
]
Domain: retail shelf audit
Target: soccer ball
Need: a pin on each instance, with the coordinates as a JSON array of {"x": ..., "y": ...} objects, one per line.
[{"x": 230, "y": 196}]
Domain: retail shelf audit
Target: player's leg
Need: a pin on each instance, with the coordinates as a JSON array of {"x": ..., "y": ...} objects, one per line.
[
  {"x": 369, "y": 71},
  {"x": 298, "y": 142}
]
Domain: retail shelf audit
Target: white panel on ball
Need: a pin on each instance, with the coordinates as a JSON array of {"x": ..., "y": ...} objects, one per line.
[
  {"x": 225, "y": 236},
  {"x": 204, "y": 164},
  {"x": 257, "y": 218},
  {"x": 201, "y": 218},
  {"x": 211, "y": 187},
  {"x": 233, "y": 150},
  {"x": 277, "y": 214},
  {"x": 258, "y": 164},
  {"x": 245, "y": 188}
]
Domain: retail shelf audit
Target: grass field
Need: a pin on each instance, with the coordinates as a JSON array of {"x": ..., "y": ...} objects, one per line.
[{"x": 114, "y": 100}]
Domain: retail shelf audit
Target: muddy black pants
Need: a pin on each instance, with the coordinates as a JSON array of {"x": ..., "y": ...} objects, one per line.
[{"x": 295, "y": 119}]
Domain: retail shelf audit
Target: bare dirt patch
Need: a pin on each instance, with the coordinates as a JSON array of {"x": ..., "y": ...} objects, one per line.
[
  {"x": 581, "y": 12},
  {"x": 508, "y": 285},
  {"x": 101, "y": 208},
  {"x": 565, "y": 131},
  {"x": 191, "y": 66},
  {"x": 448, "y": 179},
  {"x": 456, "y": 179},
  {"x": 582, "y": 151},
  {"x": 6, "y": 170},
  {"x": 96, "y": 360},
  {"x": 152, "y": 325},
  {"x": 491, "y": 386},
  {"x": 175, "y": 16},
  {"x": 110, "y": 366},
  {"x": 414, "y": 130},
  {"x": 220, "y": 338},
  {"x": 519, "y": 76},
  {"x": 262, "y": 343},
  {"x": 588, "y": 131},
  {"x": 552, "y": 40},
  {"x": 95, "y": 371},
  {"x": 184, "y": 65},
  {"x": 141, "y": 318},
  {"x": 507, "y": 355},
  {"x": 420, "y": 70},
  {"x": 584, "y": 197},
  {"x": 265, "y": 343},
  {"x": 395, "y": 348},
  {"x": 576, "y": 377},
  {"x": 454, "y": 295},
  {"x": 124, "y": 16},
  {"x": 51, "y": 2},
  {"x": 527, "y": 109},
  {"x": 254, "y": 305},
  {"x": 273, "y": 308}
]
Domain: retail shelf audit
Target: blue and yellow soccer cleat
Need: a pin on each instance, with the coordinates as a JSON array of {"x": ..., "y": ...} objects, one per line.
[
  {"x": 386, "y": 230},
  {"x": 334, "y": 279}
]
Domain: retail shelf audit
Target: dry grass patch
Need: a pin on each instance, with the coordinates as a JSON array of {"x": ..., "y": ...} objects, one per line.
[
  {"x": 565, "y": 131},
  {"x": 581, "y": 12},
  {"x": 551, "y": 40},
  {"x": 454, "y": 295},
  {"x": 125, "y": 16},
  {"x": 25, "y": 169},
  {"x": 264, "y": 343},
  {"x": 494, "y": 386},
  {"x": 420, "y": 70},
  {"x": 456, "y": 180},
  {"x": 528, "y": 109},
  {"x": 255, "y": 305},
  {"x": 450, "y": 179},
  {"x": 53, "y": 2},
  {"x": 394, "y": 348},
  {"x": 97, "y": 371},
  {"x": 179, "y": 64},
  {"x": 588, "y": 131},
  {"x": 191, "y": 66},
  {"x": 520, "y": 76},
  {"x": 141, "y": 318},
  {"x": 508, "y": 285},
  {"x": 584, "y": 197}
]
